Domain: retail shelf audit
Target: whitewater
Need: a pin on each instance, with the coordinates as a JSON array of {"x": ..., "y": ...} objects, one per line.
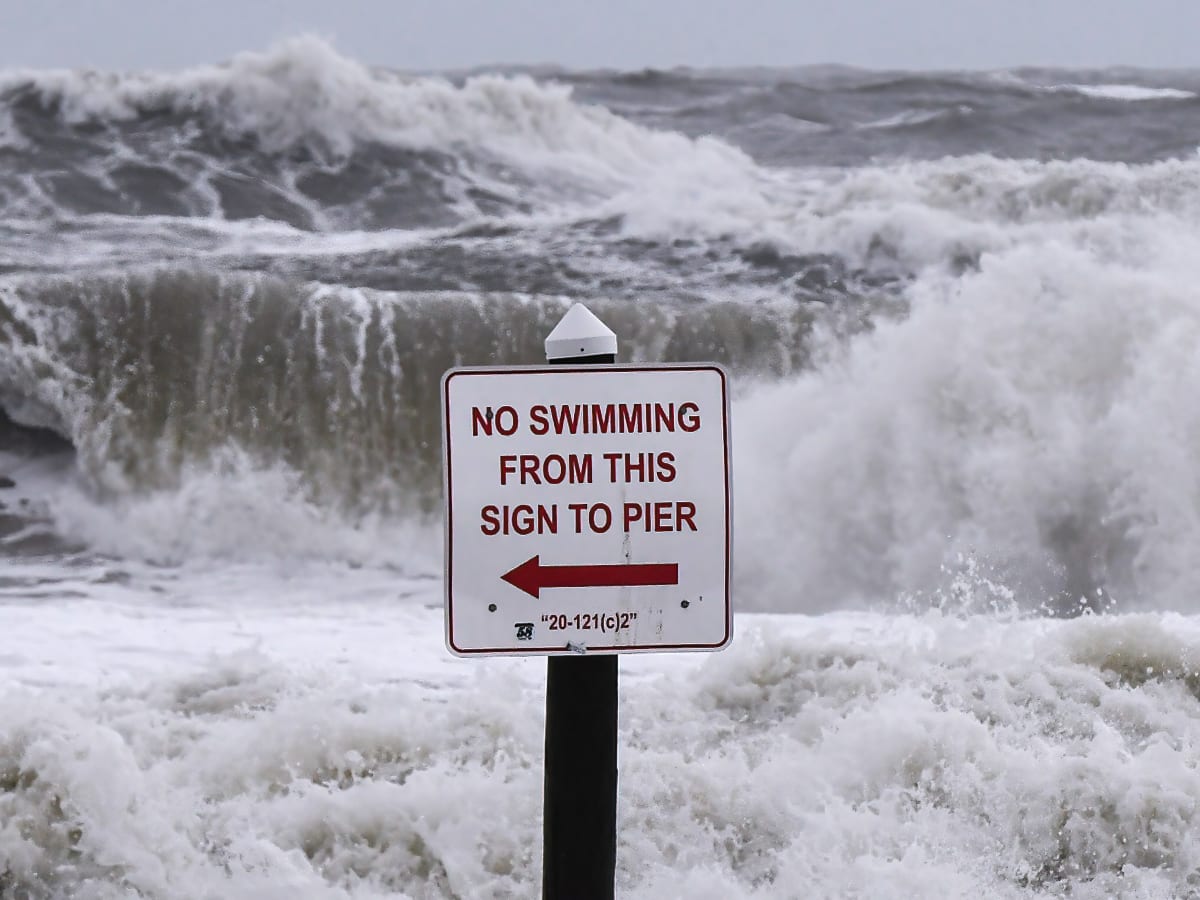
[{"x": 961, "y": 318}]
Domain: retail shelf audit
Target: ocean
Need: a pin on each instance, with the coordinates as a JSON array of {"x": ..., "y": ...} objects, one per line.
[{"x": 961, "y": 316}]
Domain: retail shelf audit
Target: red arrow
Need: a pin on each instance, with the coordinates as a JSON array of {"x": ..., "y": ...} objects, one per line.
[{"x": 531, "y": 576}]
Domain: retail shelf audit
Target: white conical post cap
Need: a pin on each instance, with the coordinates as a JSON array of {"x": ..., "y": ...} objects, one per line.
[{"x": 579, "y": 333}]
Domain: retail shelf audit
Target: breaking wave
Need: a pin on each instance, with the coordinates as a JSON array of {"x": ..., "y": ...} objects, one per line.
[
  {"x": 255, "y": 273},
  {"x": 152, "y": 376},
  {"x": 303, "y": 135}
]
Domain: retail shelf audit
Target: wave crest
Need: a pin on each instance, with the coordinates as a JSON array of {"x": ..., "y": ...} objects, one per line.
[
  {"x": 302, "y": 92},
  {"x": 154, "y": 375}
]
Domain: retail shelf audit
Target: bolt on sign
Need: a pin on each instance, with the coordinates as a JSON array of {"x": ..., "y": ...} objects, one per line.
[{"x": 587, "y": 509}]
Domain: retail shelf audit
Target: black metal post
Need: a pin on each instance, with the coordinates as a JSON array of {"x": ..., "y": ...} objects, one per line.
[{"x": 579, "y": 830}]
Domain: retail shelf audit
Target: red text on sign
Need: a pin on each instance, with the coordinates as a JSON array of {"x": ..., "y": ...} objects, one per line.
[
  {"x": 662, "y": 516},
  {"x": 627, "y": 468},
  {"x": 599, "y": 517},
  {"x": 503, "y": 419},
  {"x": 520, "y": 519},
  {"x": 613, "y": 418},
  {"x": 529, "y": 468}
]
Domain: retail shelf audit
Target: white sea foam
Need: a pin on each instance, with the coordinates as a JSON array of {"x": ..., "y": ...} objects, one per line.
[
  {"x": 911, "y": 117},
  {"x": 909, "y": 215},
  {"x": 1126, "y": 92},
  {"x": 235, "y": 511},
  {"x": 1110, "y": 91},
  {"x": 331, "y": 749}
]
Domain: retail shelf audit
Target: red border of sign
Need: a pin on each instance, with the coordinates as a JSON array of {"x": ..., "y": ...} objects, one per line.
[{"x": 449, "y": 531}]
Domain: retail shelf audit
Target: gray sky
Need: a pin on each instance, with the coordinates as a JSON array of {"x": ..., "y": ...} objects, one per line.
[{"x": 425, "y": 34}]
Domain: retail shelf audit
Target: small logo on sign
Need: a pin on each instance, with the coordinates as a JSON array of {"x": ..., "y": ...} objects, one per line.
[{"x": 524, "y": 631}]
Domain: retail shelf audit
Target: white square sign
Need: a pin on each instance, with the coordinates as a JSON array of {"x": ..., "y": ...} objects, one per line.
[{"x": 587, "y": 508}]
